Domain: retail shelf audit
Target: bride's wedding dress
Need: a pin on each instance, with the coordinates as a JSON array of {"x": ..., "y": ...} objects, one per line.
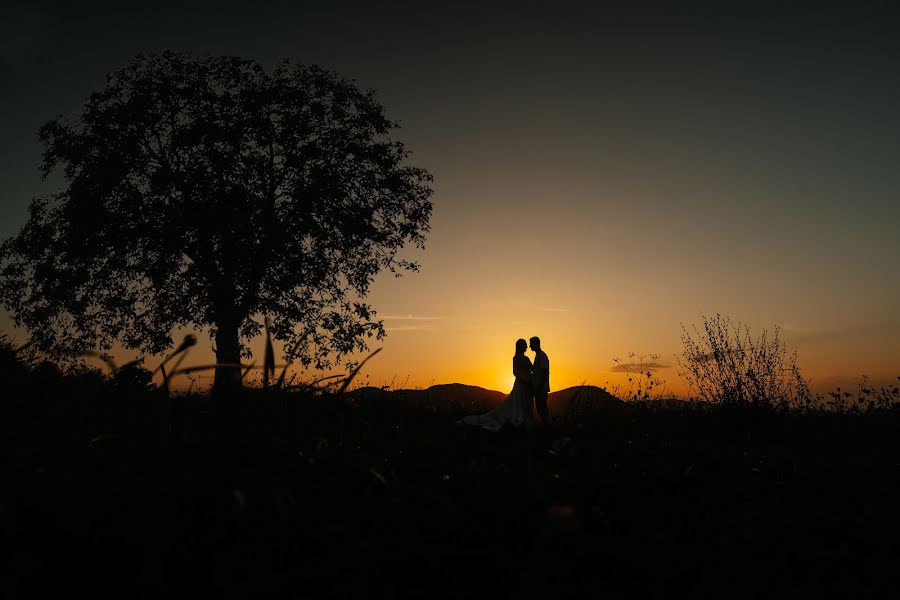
[{"x": 516, "y": 409}]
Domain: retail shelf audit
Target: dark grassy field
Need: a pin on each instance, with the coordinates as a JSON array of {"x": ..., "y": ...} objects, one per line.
[{"x": 111, "y": 489}]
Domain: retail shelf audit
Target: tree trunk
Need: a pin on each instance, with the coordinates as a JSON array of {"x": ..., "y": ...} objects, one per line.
[{"x": 228, "y": 359}]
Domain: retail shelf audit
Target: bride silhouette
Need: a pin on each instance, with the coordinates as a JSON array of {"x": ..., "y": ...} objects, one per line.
[{"x": 516, "y": 409}]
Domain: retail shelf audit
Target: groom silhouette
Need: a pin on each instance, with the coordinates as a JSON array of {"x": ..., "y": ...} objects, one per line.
[{"x": 540, "y": 380}]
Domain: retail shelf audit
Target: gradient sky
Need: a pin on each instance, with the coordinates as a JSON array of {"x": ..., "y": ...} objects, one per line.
[{"x": 602, "y": 175}]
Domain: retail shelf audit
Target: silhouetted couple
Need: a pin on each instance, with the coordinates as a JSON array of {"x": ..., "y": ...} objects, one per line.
[{"x": 532, "y": 386}]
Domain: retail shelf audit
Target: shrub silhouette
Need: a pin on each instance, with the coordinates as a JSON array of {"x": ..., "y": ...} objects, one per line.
[
  {"x": 723, "y": 363},
  {"x": 133, "y": 378}
]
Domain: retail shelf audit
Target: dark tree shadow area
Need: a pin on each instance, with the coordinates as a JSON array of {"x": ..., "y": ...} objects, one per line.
[{"x": 113, "y": 489}]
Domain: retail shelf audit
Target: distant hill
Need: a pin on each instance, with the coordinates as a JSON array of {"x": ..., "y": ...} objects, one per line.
[
  {"x": 578, "y": 400},
  {"x": 583, "y": 399}
]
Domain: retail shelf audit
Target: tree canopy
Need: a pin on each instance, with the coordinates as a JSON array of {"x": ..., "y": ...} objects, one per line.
[{"x": 203, "y": 192}]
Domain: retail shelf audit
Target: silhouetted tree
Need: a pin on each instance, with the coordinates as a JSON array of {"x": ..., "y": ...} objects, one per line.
[{"x": 206, "y": 191}]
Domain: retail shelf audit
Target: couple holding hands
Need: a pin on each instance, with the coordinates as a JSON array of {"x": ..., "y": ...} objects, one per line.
[{"x": 532, "y": 386}]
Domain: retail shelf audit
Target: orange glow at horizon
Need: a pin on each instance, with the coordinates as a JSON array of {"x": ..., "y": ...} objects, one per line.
[{"x": 454, "y": 350}]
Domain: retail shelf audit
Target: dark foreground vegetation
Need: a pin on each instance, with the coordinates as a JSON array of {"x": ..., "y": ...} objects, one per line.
[{"x": 113, "y": 489}]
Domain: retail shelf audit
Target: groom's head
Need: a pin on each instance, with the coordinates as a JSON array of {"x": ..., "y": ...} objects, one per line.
[{"x": 535, "y": 343}]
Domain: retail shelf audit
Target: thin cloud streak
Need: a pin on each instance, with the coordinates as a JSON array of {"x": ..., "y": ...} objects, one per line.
[
  {"x": 637, "y": 367},
  {"x": 797, "y": 335},
  {"x": 409, "y": 317}
]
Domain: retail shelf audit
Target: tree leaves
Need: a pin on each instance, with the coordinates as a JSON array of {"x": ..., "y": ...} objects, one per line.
[{"x": 204, "y": 191}]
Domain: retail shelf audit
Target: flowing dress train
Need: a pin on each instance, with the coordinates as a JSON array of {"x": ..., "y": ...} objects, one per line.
[{"x": 516, "y": 409}]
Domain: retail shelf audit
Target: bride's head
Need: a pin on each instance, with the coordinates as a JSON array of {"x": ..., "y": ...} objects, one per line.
[{"x": 521, "y": 346}]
